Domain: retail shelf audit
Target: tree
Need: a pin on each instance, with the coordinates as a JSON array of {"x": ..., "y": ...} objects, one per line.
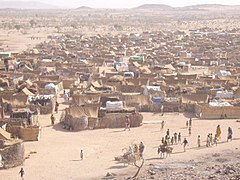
[
  {"x": 139, "y": 168},
  {"x": 17, "y": 26},
  {"x": 33, "y": 22}
]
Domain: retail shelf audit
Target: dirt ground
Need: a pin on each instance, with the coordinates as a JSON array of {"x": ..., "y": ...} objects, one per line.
[
  {"x": 58, "y": 152},
  {"x": 19, "y": 40}
]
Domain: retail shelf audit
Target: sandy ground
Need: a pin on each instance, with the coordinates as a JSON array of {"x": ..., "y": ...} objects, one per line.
[
  {"x": 58, "y": 152},
  {"x": 18, "y": 40}
]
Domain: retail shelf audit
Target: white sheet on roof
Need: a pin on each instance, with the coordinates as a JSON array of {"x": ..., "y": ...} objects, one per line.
[
  {"x": 221, "y": 104},
  {"x": 224, "y": 95},
  {"x": 114, "y": 105}
]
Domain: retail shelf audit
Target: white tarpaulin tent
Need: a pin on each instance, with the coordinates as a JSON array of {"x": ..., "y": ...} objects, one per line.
[
  {"x": 224, "y": 95},
  {"x": 219, "y": 104},
  {"x": 154, "y": 88},
  {"x": 113, "y": 105},
  {"x": 51, "y": 86}
]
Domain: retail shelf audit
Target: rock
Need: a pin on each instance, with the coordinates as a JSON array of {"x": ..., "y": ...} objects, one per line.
[
  {"x": 218, "y": 171},
  {"x": 156, "y": 167},
  {"x": 110, "y": 174},
  {"x": 151, "y": 172},
  {"x": 216, "y": 155},
  {"x": 231, "y": 171},
  {"x": 211, "y": 177}
]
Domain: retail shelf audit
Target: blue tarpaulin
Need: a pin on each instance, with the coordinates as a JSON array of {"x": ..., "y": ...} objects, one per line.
[{"x": 157, "y": 100}]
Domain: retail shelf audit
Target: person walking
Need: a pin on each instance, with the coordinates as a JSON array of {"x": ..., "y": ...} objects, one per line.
[
  {"x": 56, "y": 107},
  {"x": 211, "y": 139},
  {"x": 172, "y": 140},
  {"x": 199, "y": 141},
  {"x": 179, "y": 138},
  {"x": 52, "y": 119},
  {"x": 215, "y": 140},
  {"x": 208, "y": 140},
  {"x": 189, "y": 130},
  {"x": 185, "y": 143},
  {"x": 190, "y": 122},
  {"x": 127, "y": 123},
  {"x": 81, "y": 154},
  {"x": 230, "y": 132},
  {"x": 186, "y": 123},
  {"x": 141, "y": 149},
  {"x": 167, "y": 139},
  {"x": 163, "y": 140},
  {"x": 21, "y": 172},
  {"x": 162, "y": 124},
  {"x": 218, "y": 132},
  {"x": 168, "y": 132},
  {"x": 175, "y": 138},
  {"x": 162, "y": 110}
]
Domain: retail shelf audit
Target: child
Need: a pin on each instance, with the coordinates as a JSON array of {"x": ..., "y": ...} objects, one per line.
[
  {"x": 81, "y": 154},
  {"x": 199, "y": 141},
  {"x": 172, "y": 140},
  {"x": 21, "y": 172},
  {"x": 215, "y": 139}
]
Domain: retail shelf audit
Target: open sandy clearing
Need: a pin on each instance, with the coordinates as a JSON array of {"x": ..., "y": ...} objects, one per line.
[{"x": 58, "y": 152}]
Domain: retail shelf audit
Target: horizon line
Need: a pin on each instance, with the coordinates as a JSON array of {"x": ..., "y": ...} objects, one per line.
[{"x": 91, "y": 7}]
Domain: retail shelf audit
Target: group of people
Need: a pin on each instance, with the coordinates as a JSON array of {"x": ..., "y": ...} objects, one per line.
[
  {"x": 211, "y": 141},
  {"x": 176, "y": 138}
]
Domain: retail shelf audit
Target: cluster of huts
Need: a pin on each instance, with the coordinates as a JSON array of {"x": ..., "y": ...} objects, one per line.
[{"x": 110, "y": 77}]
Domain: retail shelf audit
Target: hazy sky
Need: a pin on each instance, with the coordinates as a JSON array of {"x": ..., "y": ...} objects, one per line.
[{"x": 129, "y": 3}]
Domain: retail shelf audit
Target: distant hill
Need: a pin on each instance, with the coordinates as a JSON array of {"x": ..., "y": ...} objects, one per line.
[
  {"x": 155, "y": 6},
  {"x": 25, "y": 5},
  {"x": 209, "y": 6},
  {"x": 84, "y": 8}
]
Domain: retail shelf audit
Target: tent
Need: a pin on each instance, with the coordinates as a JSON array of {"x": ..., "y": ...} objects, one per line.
[
  {"x": 219, "y": 104},
  {"x": 145, "y": 70},
  {"x": 27, "y": 92},
  {"x": 4, "y": 134},
  {"x": 136, "y": 64},
  {"x": 50, "y": 86},
  {"x": 153, "y": 88},
  {"x": 224, "y": 95},
  {"x": 169, "y": 66},
  {"x": 116, "y": 105},
  {"x": 157, "y": 100}
]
